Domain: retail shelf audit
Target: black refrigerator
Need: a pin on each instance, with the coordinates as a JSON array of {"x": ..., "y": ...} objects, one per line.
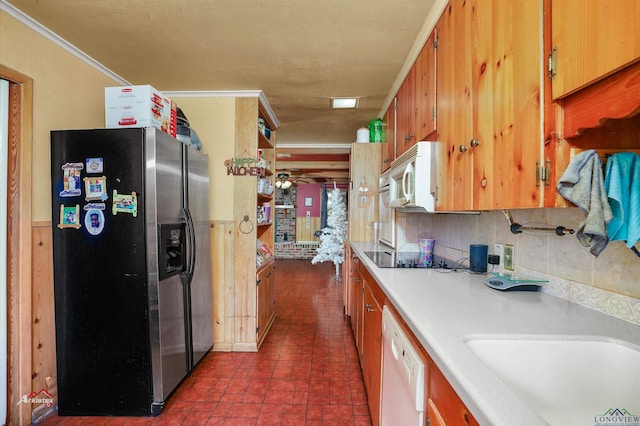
[{"x": 132, "y": 278}]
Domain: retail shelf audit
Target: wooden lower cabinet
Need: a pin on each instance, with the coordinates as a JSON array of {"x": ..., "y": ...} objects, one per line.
[
  {"x": 433, "y": 415},
  {"x": 444, "y": 406},
  {"x": 367, "y": 300},
  {"x": 357, "y": 303},
  {"x": 372, "y": 348},
  {"x": 347, "y": 273},
  {"x": 265, "y": 281}
]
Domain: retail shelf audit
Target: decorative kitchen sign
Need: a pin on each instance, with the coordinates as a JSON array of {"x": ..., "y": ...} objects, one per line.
[
  {"x": 94, "y": 165},
  {"x": 95, "y": 188},
  {"x": 244, "y": 166},
  {"x": 124, "y": 203},
  {"x": 69, "y": 217},
  {"x": 72, "y": 185}
]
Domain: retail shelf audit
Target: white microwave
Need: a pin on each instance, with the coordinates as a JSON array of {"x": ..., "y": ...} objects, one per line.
[{"x": 414, "y": 177}]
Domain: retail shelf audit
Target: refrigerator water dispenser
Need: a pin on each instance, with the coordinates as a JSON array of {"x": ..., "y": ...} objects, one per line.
[{"x": 171, "y": 251}]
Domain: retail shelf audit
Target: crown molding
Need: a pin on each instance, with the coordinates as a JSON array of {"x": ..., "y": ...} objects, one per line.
[
  {"x": 56, "y": 39},
  {"x": 227, "y": 93}
]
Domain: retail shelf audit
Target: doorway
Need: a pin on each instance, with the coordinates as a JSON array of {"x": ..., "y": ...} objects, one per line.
[{"x": 18, "y": 292}]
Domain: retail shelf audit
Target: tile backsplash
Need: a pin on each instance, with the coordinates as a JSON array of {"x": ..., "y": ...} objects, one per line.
[{"x": 609, "y": 283}]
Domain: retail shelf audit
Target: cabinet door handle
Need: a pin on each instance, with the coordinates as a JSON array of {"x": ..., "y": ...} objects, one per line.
[
  {"x": 369, "y": 308},
  {"x": 474, "y": 143},
  {"x": 463, "y": 148}
]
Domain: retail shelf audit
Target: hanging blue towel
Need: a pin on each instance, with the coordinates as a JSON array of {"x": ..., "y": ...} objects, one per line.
[
  {"x": 582, "y": 183},
  {"x": 622, "y": 183}
]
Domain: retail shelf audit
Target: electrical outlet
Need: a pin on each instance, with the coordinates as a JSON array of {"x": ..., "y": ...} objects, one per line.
[{"x": 508, "y": 257}]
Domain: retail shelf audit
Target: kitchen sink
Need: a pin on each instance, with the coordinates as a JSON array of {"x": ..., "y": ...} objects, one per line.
[{"x": 566, "y": 380}]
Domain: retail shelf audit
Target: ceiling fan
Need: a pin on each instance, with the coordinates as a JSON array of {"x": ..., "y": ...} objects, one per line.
[{"x": 282, "y": 180}]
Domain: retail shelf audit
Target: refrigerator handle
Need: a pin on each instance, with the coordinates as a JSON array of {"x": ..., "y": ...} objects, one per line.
[
  {"x": 187, "y": 277},
  {"x": 192, "y": 245}
]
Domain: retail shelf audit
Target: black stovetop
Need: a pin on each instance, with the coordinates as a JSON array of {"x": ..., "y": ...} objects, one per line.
[{"x": 408, "y": 259}]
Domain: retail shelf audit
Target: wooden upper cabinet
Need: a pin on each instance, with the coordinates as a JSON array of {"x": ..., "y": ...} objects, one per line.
[
  {"x": 406, "y": 114},
  {"x": 455, "y": 107},
  {"x": 488, "y": 104},
  {"x": 426, "y": 90},
  {"x": 388, "y": 149},
  {"x": 593, "y": 38}
]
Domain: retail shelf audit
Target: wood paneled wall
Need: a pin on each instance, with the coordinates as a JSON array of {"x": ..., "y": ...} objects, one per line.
[
  {"x": 304, "y": 233},
  {"x": 43, "y": 355},
  {"x": 222, "y": 284}
]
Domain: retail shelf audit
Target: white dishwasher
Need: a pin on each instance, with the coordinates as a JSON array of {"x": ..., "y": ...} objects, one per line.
[{"x": 402, "y": 377}]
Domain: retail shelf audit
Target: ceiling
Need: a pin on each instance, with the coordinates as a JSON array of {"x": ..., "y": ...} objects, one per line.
[{"x": 299, "y": 53}]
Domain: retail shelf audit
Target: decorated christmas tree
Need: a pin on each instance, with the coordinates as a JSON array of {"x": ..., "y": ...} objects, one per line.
[{"x": 334, "y": 234}]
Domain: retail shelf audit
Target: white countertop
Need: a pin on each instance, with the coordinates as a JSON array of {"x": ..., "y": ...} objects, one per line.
[{"x": 444, "y": 309}]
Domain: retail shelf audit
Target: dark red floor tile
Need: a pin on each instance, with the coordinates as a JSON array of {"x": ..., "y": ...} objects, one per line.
[
  {"x": 207, "y": 406},
  {"x": 314, "y": 411},
  {"x": 197, "y": 418},
  {"x": 279, "y": 396},
  {"x": 301, "y": 397},
  {"x": 362, "y": 420},
  {"x": 258, "y": 386},
  {"x": 269, "y": 419},
  {"x": 337, "y": 412},
  {"x": 222, "y": 409},
  {"x": 274, "y": 408},
  {"x": 361, "y": 410},
  {"x": 282, "y": 384},
  {"x": 231, "y": 397},
  {"x": 255, "y": 398},
  {"x": 171, "y": 418},
  {"x": 244, "y": 409},
  {"x": 178, "y": 405},
  {"x": 239, "y": 421},
  {"x": 293, "y": 419}
]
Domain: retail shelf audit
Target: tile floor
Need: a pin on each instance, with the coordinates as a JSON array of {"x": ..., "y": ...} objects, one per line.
[{"x": 306, "y": 372}]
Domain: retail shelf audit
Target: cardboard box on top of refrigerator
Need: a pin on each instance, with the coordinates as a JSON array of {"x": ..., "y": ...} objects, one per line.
[{"x": 139, "y": 106}]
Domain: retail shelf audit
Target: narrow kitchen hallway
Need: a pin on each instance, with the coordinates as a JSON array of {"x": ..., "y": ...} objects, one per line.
[{"x": 306, "y": 372}]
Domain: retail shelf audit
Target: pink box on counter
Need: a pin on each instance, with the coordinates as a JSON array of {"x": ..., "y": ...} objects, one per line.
[{"x": 139, "y": 106}]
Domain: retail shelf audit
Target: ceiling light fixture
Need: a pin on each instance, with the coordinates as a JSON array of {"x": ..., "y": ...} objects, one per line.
[
  {"x": 344, "y": 103},
  {"x": 283, "y": 181}
]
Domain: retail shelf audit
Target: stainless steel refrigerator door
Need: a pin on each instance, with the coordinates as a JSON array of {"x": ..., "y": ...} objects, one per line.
[
  {"x": 166, "y": 322},
  {"x": 201, "y": 305}
]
